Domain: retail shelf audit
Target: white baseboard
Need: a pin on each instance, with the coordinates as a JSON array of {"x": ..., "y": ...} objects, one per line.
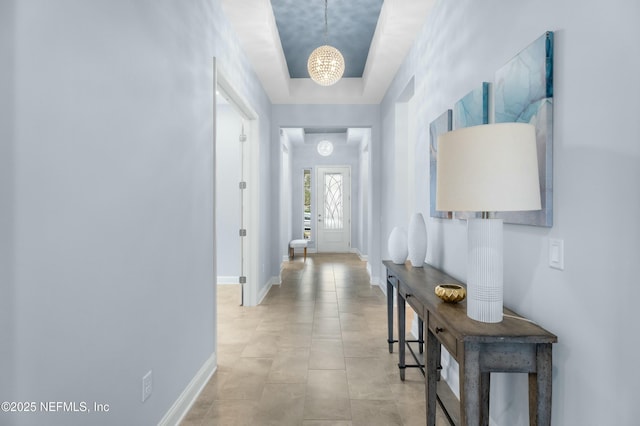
[
  {"x": 263, "y": 293},
  {"x": 265, "y": 290},
  {"x": 376, "y": 280},
  {"x": 181, "y": 407},
  {"x": 363, "y": 257},
  {"x": 379, "y": 283},
  {"x": 275, "y": 281},
  {"x": 228, "y": 280},
  {"x": 414, "y": 327},
  {"x": 450, "y": 371}
]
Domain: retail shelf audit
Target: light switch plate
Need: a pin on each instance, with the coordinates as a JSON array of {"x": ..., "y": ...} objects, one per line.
[
  {"x": 556, "y": 254},
  {"x": 147, "y": 385}
]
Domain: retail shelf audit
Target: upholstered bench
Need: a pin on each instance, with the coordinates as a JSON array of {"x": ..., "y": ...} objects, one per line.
[{"x": 294, "y": 244}]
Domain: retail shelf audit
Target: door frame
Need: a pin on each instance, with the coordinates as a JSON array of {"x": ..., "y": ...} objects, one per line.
[{"x": 251, "y": 176}]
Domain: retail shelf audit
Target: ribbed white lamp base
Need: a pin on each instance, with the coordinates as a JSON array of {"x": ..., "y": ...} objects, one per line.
[{"x": 485, "y": 270}]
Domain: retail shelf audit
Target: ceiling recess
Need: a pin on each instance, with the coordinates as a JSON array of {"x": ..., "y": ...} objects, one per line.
[{"x": 301, "y": 27}]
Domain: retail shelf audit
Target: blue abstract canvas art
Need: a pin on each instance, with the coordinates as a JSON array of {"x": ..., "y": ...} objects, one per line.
[
  {"x": 472, "y": 109},
  {"x": 524, "y": 94},
  {"x": 440, "y": 125}
]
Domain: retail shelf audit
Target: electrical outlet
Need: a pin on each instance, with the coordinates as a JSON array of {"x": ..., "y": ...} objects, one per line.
[{"x": 147, "y": 385}]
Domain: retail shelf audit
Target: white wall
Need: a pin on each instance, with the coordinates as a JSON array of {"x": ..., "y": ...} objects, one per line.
[
  {"x": 109, "y": 200},
  {"x": 228, "y": 161},
  {"x": 7, "y": 198},
  {"x": 591, "y": 304},
  {"x": 364, "y": 220}
]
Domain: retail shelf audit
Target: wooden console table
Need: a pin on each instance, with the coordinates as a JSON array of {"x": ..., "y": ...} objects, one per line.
[{"x": 515, "y": 345}]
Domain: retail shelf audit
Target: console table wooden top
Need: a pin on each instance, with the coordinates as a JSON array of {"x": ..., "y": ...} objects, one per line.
[
  {"x": 423, "y": 281},
  {"x": 514, "y": 345}
]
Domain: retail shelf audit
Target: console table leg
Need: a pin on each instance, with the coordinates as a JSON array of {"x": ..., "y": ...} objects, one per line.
[
  {"x": 401, "y": 333},
  {"x": 420, "y": 334},
  {"x": 432, "y": 359},
  {"x": 470, "y": 387},
  {"x": 485, "y": 384},
  {"x": 540, "y": 387},
  {"x": 390, "y": 315}
]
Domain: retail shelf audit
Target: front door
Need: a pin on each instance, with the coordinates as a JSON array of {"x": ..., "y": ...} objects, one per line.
[{"x": 333, "y": 209}]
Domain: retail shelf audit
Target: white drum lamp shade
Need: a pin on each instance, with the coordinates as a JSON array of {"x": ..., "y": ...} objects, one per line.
[{"x": 487, "y": 168}]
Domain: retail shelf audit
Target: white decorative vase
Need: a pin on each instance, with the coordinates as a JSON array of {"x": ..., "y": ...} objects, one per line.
[
  {"x": 397, "y": 245},
  {"x": 417, "y": 240}
]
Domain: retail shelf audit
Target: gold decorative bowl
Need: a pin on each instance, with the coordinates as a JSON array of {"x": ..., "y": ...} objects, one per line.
[{"x": 451, "y": 293}]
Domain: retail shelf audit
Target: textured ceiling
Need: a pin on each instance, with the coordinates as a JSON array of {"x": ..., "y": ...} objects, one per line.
[
  {"x": 395, "y": 24},
  {"x": 351, "y": 25}
]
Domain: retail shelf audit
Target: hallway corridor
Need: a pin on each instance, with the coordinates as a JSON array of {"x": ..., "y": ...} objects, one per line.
[{"x": 313, "y": 353}]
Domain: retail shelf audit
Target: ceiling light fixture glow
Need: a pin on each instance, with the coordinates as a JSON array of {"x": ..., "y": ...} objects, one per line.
[
  {"x": 326, "y": 63},
  {"x": 325, "y": 148}
]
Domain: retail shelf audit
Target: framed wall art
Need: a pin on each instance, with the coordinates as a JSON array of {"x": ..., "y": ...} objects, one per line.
[
  {"x": 440, "y": 125},
  {"x": 524, "y": 93},
  {"x": 473, "y": 108}
]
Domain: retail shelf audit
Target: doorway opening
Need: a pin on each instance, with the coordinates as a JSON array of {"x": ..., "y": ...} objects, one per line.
[
  {"x": 236, "y": 188},
  {"x": 325, "y": 193}
]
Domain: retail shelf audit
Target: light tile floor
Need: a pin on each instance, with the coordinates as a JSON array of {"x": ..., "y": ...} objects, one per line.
[{"x": 314, "y": 353}]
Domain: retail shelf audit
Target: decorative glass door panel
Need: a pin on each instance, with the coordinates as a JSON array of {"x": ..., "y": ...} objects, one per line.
[{"x": 333, "y": 201}]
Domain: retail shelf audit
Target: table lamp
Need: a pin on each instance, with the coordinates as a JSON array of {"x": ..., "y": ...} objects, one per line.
[{"x": 487, "y": 169}]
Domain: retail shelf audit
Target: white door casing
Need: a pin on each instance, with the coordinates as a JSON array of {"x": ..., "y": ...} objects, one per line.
[{"x": 250, "y": 196}]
